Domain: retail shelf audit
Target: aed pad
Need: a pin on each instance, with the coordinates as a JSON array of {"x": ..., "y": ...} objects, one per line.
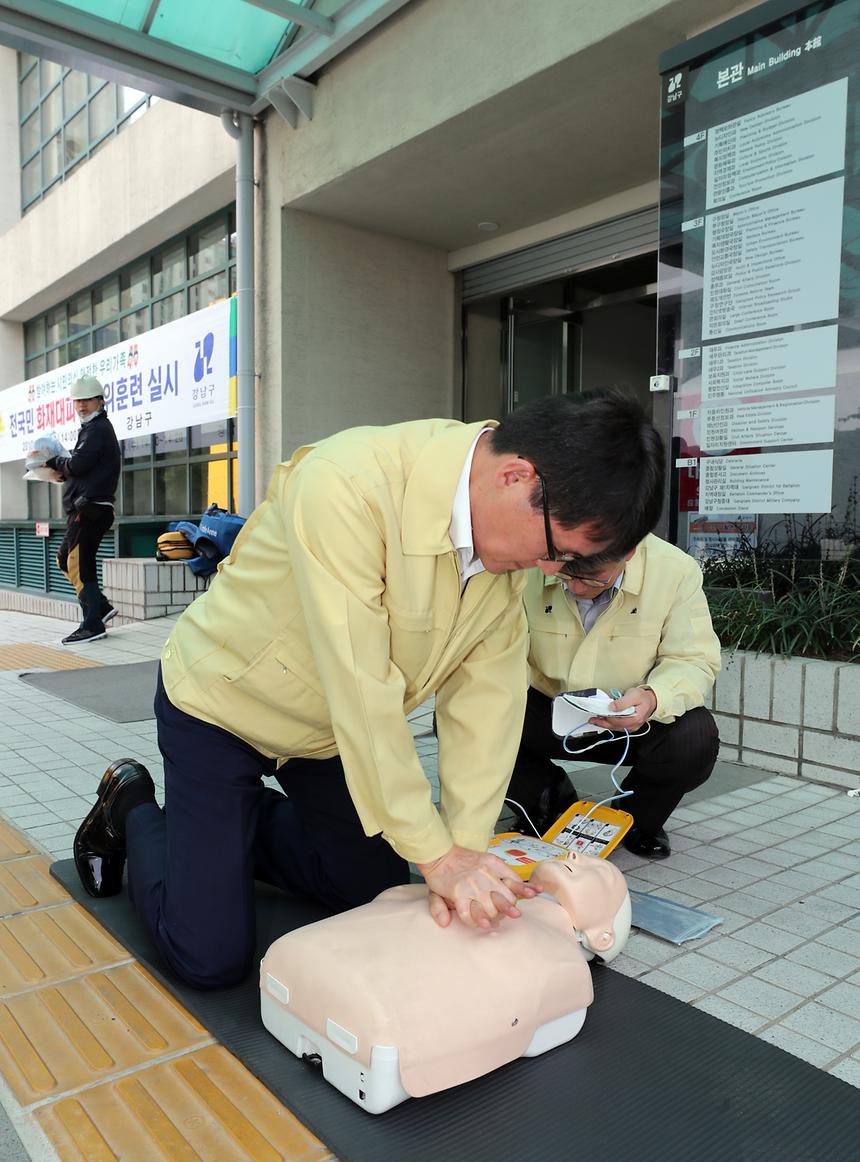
[{"x": 583, "y": 828}]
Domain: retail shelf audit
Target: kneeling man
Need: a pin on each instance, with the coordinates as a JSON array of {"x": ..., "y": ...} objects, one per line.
[{"x": 640, "y": 625}]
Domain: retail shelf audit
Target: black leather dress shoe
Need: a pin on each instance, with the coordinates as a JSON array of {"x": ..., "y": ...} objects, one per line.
[
  {"x": 99, "y": 847},
  {"x": 650, "y": 845},
  {"x": 552, "y": 802}
]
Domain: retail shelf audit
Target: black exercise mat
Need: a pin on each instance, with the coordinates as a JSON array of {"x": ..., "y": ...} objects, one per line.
[
  {"x": 648, "y": 1078},
  {"x": 120, "y": 693}
]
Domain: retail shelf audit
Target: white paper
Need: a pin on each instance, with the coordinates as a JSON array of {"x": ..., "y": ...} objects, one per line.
[
  {"x": 775, "y": 262},
  {"x": 776, "y": 422},
  {"x": 793, "y": 361},
  {"x": 791, "y": 141},
  {"x": 778, "y": 482}
]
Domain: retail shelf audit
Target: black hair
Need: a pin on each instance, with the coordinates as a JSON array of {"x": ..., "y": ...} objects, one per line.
[{"x": 601, "y": 457}]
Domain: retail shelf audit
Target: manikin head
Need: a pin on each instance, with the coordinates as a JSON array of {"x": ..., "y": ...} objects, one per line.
[{"x": 593, "y": 892}]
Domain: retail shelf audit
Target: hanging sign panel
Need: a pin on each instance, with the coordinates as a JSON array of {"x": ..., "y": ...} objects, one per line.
[
  {"x": 760, "y": 240},
  {"x": 175, "y": 376}
]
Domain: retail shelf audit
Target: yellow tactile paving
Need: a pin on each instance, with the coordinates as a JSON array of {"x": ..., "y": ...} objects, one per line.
[
  {"x": 27, "y": 883},
  {"x": 204, "y": 1105},
  {"x": 61, "y": 1037},
  {"x": 13, "y": 843},
  {"x": 108, "y": 1063},
  {"x": 22, "y": 657},
  {"x": 50, "y": 945}
]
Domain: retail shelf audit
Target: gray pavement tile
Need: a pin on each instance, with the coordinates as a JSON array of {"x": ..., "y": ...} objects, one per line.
[
  {"x": 824, "y": 1025},
  {"x": 844, "y": 938},
  {"x": 698, "y": 969},
  {"x": 825, "y": 959},
  {"x": 761, "y": 997},
  {"x": 769, "y": 939},
  {"x": 736, "y": 954},
  {"x": 798, "y": 1045},
  {"x": 775, "y": 855},
  {"x": 685, "y": 863},
  {"x": 673, "y": 985},
  {"x": 732, "y": 1014},
  {"x": 843, "y": 997},
  {"x": 848, "y": 1070},
  {"x": 700, "y": 890},
  {"x": 734, "y": 844},
  {"x": 806, "y": 982},
  {"x": 747, "y": 905},
  {"x": 806, "y": 879},
  {"x": 753, "y": 866},
  {"x": 776, "y": 893},
  {"x": 649, "y": 950},
  {"x": 727, "y": 876},
  {"x": 802, "y": 919},
  {"x": 629, "y": 966}
]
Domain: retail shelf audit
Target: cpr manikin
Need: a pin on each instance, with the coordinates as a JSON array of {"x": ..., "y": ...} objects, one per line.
[{"x": 392, "y": 1006}]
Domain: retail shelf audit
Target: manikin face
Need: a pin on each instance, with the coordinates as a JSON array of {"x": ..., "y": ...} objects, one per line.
[{"x": 87, "y": 407}]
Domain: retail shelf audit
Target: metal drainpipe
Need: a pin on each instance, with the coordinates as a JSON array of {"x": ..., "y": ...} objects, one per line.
[{"x": 240, "y": 126}]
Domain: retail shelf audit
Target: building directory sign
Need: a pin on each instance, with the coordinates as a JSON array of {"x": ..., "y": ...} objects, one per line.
[
  {"x": 759, "y": 275},
  {"x": 175, "y": 376}
]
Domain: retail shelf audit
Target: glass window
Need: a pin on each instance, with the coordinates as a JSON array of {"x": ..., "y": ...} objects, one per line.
[
  {"x": 134, "y": 324},
  {"x": 52, "y": 159},
  {"x": 134, "y": 285},
  {"x": 30, "y": 91},
  {"x": 75, "y": 137},
  {"x": 50, "y": 73},
  {"x": 207, "y": 250},
  {"x": 136, "y": 448},
  {"x": 106, "y": 300},
  {"x": 209, "y": 437},
  {"x": 80, "y": 313},
  {"x": 80, "y": 347},
  {"x": 31, "y": 135},
  {"x": 203, "y": 294},
  {"x": 57, "y": 331},
  {"x": 170, "y": 444},
  {"x": 35, "y": 367},
  {"x": 34, "y": 336},
  {"x": 106, "y": 336},
  {"x": 168, "y": 268},
  {"x": 74, "y": 91},
  {"x": 171, "y": 489},
  {"x": 128, "y": 98},
  {"x": 137, "y": 492},
  {"x": 208, "y": 484},
  {"x": 52, "y": 113},
  {"x": 26, "y": 62},
  {"x": 31, "y": 180},
  {"x": 166, "y": 310},
  {"x": 102, "y": 112},
  {"x": 56, "y": 357}
]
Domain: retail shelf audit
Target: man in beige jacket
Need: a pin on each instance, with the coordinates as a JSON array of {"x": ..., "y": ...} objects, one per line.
[
  {"x": 384, "y": 566},
  {"x": 639, "y": 624}
]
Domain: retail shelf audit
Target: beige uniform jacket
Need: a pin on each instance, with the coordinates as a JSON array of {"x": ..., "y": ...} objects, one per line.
[
  {"x": 338, "y": 611},
  {"x": 656, "y": 632}
]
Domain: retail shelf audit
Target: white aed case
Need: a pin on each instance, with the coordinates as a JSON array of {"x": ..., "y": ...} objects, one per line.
[{"x": 392, "y": 1006}]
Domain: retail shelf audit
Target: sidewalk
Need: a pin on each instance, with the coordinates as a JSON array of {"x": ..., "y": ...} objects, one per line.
[{"x": 775, "y": 857}]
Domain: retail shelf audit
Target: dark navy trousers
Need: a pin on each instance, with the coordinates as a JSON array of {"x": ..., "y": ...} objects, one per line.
[
  {"x": 192, "y": 865},
  {"x": 667, "y": 762}
]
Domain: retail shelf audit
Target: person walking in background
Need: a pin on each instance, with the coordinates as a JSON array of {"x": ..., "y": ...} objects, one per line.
[{"x": 91, "y": 473}]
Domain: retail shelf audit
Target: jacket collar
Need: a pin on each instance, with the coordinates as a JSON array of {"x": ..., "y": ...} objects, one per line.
[{"x": 428, "y": 499}]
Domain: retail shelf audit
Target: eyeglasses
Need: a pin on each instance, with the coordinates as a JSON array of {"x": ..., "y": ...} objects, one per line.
[
  {"x": 593, "y": 582},
  {"x": 551, "y": 553}
]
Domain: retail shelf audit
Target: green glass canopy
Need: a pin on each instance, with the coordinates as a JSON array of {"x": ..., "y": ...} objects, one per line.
[{"x": 214, "y": 55}]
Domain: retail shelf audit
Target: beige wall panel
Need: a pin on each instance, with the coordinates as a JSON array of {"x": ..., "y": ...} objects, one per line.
[
  {"x": 368, "y": 327},
  {"x": 10, "y": 158}
]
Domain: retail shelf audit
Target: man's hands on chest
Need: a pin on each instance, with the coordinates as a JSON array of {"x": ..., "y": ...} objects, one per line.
[{"x": 479, "y": 887}]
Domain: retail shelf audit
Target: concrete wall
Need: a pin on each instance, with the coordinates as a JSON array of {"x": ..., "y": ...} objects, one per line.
[{"x": 368, "y": 326}]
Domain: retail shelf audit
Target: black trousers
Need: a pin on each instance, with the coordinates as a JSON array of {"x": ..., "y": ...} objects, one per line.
[
  {"x": 667, "y": 762},
  {"x": 192, "y": 866},
  {"x": 76, "y": 558}
]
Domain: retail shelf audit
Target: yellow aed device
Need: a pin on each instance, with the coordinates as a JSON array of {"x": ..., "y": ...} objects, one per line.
[{"x": 584, "y": 828}]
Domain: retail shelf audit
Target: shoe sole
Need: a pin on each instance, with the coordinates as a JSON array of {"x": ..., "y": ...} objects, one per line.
[
  {"x": 83, "y": 641},
  {"x": 109, "y": 616}
]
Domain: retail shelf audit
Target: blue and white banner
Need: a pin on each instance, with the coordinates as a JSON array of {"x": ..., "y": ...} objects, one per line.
[{"x": 175, "y": 376}]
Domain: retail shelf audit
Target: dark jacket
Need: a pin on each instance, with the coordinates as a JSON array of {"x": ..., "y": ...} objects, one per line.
[{"x": 92, "y": 470}]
